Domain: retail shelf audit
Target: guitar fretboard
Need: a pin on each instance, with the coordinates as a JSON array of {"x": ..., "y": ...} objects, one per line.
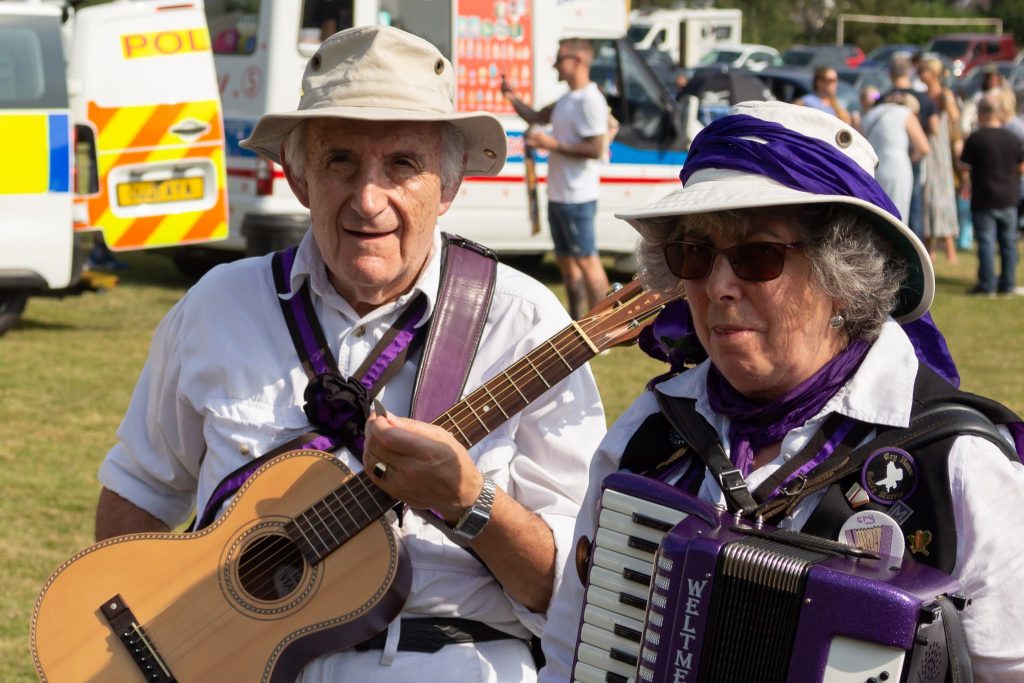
[{"x": 331, "y": 521}]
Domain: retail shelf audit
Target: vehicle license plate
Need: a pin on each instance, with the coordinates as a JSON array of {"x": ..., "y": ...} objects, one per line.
[{"x": 160, "y": 191}]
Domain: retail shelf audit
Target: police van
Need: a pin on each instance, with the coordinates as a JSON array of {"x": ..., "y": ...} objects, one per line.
[
  {"x": 37, "y": 245},
  {"x": 260, "y": 49},
  {"x": 151, "y": 135},
  {"x": 110, "y": 122}
]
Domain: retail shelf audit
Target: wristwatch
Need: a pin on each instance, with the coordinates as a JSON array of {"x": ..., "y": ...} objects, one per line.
[{"x": 473, "y": 520}]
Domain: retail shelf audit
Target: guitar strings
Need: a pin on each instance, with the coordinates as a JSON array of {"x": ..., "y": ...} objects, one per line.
[{"x": 555, "y": 352}]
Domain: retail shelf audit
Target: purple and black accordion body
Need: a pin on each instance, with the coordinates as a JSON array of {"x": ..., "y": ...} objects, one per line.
[{"x": 678, "y": 592}]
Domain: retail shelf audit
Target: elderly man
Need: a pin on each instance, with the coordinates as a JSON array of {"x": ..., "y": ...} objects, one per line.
[{"x": 377, "y": 154}]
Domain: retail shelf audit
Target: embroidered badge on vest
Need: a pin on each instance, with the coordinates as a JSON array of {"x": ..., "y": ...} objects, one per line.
[{"x": 889, "y": 475}]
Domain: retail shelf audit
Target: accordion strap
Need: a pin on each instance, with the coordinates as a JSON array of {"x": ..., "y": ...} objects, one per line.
[
  {"x": 683, "y": 416},
  {"x": 960, "y": 670}
]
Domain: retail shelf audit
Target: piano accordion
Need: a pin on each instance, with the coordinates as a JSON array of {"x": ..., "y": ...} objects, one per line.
[{"x": 677, "y": 591}]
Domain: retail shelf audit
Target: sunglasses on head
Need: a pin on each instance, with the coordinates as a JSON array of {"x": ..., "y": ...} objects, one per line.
[{"x": 753, "y": 261}]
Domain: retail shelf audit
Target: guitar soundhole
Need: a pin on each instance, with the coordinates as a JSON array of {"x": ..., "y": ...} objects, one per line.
[{"x": 270, "y": 568}]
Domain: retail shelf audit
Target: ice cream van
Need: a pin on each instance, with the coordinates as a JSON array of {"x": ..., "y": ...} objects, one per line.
[{"x": 260, "y": 49}]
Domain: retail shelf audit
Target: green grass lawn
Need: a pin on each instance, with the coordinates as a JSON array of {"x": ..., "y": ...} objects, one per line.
[{"x": 67, "y": 372}]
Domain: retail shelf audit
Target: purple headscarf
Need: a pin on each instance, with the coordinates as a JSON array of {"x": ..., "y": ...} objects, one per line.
[{"x": 798, "y": 161}]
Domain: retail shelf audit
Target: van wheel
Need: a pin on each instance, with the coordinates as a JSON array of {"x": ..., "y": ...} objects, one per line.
[{"x": 12, "y": 304}]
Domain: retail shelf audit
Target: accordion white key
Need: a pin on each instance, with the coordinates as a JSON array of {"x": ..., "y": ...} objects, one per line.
[{"x": 678, "y": 592}]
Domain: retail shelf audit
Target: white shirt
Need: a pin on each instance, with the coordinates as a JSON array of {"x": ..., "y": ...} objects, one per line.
[
  {"x": 223, "y": 378},
  {"x": 579, "y": 114},
  {"x": 987, "y": 491}
]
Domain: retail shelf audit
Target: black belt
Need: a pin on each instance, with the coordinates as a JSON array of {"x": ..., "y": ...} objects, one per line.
[{"x": 431, "y": 634}]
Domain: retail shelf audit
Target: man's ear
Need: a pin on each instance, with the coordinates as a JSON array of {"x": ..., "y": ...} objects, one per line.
[
  {"x": 297, "y": 184},
  {"x": 448, "y": 195}
]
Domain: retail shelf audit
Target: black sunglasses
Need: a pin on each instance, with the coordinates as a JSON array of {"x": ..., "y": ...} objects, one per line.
[{"x": 753, "y": 261}]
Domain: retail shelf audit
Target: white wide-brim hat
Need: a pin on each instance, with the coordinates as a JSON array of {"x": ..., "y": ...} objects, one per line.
[
  {"x": 722, "y": 189},
  {"x": 381, "y": 73}
]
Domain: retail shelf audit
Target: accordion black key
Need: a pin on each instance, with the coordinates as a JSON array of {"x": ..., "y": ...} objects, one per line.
[{"x": 679, "y": 592}]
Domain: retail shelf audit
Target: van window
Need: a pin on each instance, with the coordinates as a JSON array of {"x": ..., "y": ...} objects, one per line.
[
  {"x": 428, "y": 20},
  {"x": 322, "y": 19},
  {"x": 635, "y": 96},
  {"x": 637, "y": 33},
  {"x": 233, "y": 25},
  {"x": 30, "y": 48}
]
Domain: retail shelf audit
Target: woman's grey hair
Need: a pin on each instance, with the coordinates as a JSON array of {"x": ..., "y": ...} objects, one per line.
[
  {"x": 453, "y": 153},
  {"x": 851, "y": 261}
]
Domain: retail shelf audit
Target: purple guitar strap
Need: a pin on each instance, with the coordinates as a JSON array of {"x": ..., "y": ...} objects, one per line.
[
  {"x": 337, "y": 406},
  {"x": 463, "y": 301}
]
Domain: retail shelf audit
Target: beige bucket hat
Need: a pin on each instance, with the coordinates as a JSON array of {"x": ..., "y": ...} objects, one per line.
[
  {"x": 380, "y": 73},
  {"x": 721, "y": 189}
]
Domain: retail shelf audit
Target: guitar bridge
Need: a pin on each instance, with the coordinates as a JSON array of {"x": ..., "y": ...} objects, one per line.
[{"x": 142, "y": 651}]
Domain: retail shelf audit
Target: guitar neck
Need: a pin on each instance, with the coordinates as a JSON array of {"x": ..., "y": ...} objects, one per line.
[{"x": 331, "y": 521}]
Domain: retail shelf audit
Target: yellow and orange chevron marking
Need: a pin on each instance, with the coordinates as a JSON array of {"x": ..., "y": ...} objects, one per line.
[{"x": 137, "y": 136}]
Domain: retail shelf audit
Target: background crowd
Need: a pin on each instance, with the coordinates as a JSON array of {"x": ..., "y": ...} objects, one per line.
[{"x": 936, "y": 149}]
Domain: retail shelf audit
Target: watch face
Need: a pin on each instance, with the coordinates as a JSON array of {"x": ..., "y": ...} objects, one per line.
[{"x": 472, "y": 525}]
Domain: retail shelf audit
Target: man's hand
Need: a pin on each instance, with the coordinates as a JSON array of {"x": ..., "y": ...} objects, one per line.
[
  {"x": 426, "y": 467},
  {"x": 506, "y": 89},
  {"x": 538, "y": 139}
]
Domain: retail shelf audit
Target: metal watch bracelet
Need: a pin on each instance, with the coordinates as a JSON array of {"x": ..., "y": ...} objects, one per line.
[{"x": 476, "y": 517}]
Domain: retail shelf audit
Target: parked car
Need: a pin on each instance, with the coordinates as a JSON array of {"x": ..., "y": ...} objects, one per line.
[
  {"x": 1016, "y": 79},
  {"x": 968, "y": 50},
  {"x": 882, "y": 56},
  {"x": 972, "y": 80},
  {"x": 865, "y": 76},
  {"x": 789, "y": 84},
  {"x": 854, "y": 55},
  {"x": 812, "y": 56},
  {"x": 742, "y": 56}
]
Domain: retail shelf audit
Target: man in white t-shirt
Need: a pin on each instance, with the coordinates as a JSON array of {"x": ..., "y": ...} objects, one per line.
[{"x": 575, "y": 145}]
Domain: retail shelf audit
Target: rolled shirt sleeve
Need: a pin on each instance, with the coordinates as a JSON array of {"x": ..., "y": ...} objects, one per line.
[{"x": 155, "y": 463}]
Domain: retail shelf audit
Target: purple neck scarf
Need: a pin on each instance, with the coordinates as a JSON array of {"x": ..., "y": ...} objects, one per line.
[
  {"x": 754, "y": 425},
  {"x": 797, "y": 161},
  {"x": 672, "y": 338}
]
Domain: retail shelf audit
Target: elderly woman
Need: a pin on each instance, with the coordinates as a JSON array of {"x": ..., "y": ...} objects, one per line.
[{"x": 801, "y": 285}]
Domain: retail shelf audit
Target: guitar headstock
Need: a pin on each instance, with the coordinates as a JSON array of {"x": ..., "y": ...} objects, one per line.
[{"x": 620, "y": 317}]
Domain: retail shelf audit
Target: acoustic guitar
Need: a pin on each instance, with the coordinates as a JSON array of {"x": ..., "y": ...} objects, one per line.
[{"x": 301, "y": 563}]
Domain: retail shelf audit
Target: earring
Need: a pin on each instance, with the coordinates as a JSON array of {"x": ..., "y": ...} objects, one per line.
[{"x": 836, "y": 321}]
